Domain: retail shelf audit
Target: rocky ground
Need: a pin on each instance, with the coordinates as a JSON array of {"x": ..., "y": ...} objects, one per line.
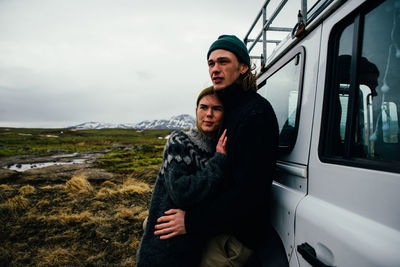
[{"x": 72, "y": 214}]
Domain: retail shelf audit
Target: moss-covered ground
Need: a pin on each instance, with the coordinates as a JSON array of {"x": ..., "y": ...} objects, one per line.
[{"x": 78, "y": 221}]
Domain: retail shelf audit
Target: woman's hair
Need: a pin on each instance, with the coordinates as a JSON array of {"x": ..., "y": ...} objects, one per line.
[{"x": 208, "y": 91}]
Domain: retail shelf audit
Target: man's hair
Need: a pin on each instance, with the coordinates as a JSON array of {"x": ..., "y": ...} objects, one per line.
[{"x": 248, "y": 80}]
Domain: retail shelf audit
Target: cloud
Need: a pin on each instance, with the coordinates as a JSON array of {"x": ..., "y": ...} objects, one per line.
[{"x": 111, "y": 61}]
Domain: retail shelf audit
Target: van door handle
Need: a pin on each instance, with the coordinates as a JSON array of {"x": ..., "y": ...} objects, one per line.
[{"x": 308, "y": 253}]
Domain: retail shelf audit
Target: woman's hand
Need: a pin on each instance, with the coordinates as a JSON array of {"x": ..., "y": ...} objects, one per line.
[
  {"x": 171, "y": 225},
  {"x": 221, "y": 146}
]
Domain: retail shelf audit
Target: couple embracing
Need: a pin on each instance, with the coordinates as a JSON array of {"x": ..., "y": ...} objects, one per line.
[{"x": 211, "y": 199}]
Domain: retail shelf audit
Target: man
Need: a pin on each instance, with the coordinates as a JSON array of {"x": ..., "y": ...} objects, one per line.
[{"x": 241, "y": 207}]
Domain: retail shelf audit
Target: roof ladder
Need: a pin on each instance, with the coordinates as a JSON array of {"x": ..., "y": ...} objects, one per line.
[{"x": 267, "y": 27}]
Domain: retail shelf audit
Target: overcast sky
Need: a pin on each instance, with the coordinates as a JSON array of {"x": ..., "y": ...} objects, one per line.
[{"x": 64, "y": 62}]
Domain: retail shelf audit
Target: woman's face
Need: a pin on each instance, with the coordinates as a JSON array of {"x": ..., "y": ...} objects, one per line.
[{"x": 209, "y": 114}]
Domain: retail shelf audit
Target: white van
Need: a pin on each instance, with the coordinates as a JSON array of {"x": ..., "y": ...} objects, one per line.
[{"x": 335, "y": 88}]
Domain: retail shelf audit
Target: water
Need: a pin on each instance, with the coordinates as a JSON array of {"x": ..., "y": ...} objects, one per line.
[
  {"x": 30, "y": 166},
  {"x": 66, "y": 155}
]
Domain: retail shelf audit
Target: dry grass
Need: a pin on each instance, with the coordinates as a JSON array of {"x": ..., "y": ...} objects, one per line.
[
  {"x": 5, "y": 191},
  {"x": 129, "y": 187},
  {"x": 46, "y": 187},
  {"x": 5, "y": 187},
  {"x": 78, "y": 185},
  {"x": 74, "y": 219},
  {"x": 133, "y": 186},
  {"x": 43, "y": 203},
  {"x": 107, "y": 194},
  {"x": 131, "y": 213},
  {"x": 26, "y": 190},
  {"x": 16, "y": 203},
  {"x": 108, "y": 184},
  {"x": 75, "y": 223},
  {"x": 56, "y": 257},
  {"x": 64, "y": 218},
  {"x": 97, "y": 257}
]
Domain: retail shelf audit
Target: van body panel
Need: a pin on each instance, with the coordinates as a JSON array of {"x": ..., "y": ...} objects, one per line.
[
  {"x": 377, "y": 191},
  {"x": 287, "y": 191},
  {"x": 351, "y": 213},
  {"x": 336, "y": 189},
  {"x": 344, "y": 238},
  {"x": 285, "y": 201}
]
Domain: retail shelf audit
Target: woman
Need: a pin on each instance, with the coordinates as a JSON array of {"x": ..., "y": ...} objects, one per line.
[{"x": 190, "y": 173}]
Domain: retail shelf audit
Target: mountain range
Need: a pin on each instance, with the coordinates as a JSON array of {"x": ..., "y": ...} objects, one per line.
[{"x": 184, "y": 121}]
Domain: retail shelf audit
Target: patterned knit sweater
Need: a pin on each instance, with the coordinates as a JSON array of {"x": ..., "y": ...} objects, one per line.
[{"x": 190, "y": 173}]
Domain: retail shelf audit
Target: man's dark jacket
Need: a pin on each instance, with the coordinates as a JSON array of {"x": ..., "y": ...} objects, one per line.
[{"x": 242, "y": 207}]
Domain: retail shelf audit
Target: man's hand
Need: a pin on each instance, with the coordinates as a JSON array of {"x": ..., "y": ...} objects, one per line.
[{"x": 171, "y": 225}]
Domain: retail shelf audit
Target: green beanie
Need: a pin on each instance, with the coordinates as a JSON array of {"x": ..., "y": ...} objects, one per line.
[{"x": 232, "y": 44}]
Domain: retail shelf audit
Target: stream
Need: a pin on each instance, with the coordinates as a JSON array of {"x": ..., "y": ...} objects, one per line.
[{"x": 58, "y": 160}]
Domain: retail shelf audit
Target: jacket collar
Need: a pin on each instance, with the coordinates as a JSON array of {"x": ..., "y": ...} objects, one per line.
[{"x": 231, "y": 95}]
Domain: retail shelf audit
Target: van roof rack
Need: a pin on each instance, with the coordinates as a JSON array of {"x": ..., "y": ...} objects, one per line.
[
  {"x": 306, "y": 17},
  {"x": 266, "y": 27}
]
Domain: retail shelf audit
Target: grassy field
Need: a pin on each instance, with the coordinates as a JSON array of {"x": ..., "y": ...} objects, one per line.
[
  {"x": 141, "y": 148},
  {"x": 78, "y": 221}
]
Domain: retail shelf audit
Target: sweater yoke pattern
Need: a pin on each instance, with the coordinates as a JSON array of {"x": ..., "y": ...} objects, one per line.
[{"x": 193, "y": 141}]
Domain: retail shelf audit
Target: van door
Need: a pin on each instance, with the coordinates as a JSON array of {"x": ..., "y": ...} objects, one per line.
[
  {"x": 286, "y": 86},
  {"x": 350, "y": 216}
]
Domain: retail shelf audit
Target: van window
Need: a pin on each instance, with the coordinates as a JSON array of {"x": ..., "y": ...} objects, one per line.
[
  {"x": 282, "y": 91},
  {"x": 362, "y": 100}
]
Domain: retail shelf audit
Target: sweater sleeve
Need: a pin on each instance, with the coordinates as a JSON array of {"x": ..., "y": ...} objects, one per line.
[
  {"x": 252, "y": 165},
  {"x": 185, "y": 182}
]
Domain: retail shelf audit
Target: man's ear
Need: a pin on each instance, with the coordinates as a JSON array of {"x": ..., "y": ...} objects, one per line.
[{"x": 243, "y": 68}]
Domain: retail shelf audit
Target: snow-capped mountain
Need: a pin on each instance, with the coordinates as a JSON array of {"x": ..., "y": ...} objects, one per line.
[
  {"x": 97, "y": 125},
  {"x": 183, "y": 121}
]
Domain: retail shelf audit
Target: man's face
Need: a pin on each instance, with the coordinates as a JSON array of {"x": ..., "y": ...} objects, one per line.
[{"x": 224, "y": 68}]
